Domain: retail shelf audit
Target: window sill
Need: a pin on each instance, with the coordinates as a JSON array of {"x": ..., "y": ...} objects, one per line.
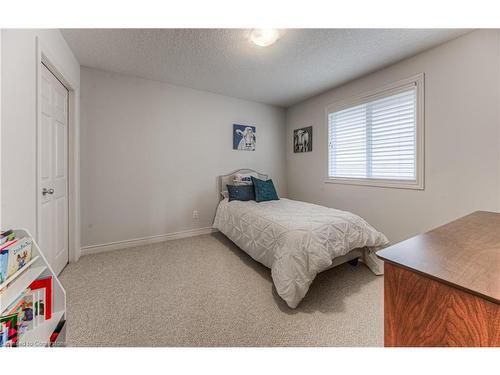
[{"x": 395, "y": 184}]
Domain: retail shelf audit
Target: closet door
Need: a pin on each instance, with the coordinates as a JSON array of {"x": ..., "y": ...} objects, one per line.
[{"x": 53, "y": 171}]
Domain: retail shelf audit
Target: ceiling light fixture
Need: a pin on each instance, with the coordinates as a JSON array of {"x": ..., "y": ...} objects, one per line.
[{"x": 264, "y": 37}]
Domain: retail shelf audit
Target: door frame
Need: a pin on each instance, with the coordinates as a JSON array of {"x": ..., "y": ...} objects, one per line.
[{"x": 73, "y": 194}]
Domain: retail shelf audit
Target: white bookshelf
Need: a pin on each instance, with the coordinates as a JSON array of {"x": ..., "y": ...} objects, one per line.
[
  {"x": 16, "y": 284},
  {"x": 40, "y": 335}
]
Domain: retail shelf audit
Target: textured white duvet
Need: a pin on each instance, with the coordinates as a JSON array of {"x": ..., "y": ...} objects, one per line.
[{"x": 297, "y": 240}]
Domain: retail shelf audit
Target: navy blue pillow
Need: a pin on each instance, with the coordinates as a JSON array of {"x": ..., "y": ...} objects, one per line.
[
  {"x": 240, "y": 192},
  {"x": 264, "y": 190}
]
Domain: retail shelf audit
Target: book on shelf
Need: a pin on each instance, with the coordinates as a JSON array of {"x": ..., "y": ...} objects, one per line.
[
  {"x": 23, "y": 307},
  {"x": 18, "y": 255},
  {"x": 6, "y": 233},
  {"x": 6, "y": 236},
  {"x": 8, "y": 324},
  {"x": 57, "y": 331},
  {"x": 4, "y": 260},
  {"x": 3, "y": 334},
  {"x": 31, "y": 309},
  {"x": 15, "y": 253},
  {"x": 8, "y": 243}
]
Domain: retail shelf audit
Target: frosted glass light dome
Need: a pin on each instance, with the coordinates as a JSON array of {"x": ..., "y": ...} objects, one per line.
[{"x": 264, "y": 37}]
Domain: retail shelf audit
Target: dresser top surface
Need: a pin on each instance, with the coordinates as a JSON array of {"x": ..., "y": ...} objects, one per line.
[{"x": 464, "y": 253}]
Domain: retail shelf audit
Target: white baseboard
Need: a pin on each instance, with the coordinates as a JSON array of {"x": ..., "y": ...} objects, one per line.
[{"x": 118, "y": 245}]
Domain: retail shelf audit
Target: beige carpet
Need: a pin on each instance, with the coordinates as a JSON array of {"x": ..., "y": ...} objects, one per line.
[{"x": 205, "y": 291}]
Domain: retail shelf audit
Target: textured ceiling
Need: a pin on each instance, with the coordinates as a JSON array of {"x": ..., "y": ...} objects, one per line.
[{"x": 303, "y": 63}]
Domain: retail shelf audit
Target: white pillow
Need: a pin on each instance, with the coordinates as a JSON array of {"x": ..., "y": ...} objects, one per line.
[
  {"x": 244, "y": 178},
  {"x": 225, "y": 194}
]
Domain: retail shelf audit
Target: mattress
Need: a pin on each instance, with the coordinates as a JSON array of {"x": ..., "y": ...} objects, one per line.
[{"x": 297, "y": 240}]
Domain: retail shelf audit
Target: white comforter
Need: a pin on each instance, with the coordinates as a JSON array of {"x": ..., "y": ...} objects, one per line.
[{"x": 296, "y": 240}]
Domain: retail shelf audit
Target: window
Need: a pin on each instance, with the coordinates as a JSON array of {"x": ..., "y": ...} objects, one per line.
[{"x": 378, "y": 139}]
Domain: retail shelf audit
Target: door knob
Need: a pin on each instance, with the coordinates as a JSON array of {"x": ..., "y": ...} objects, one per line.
[{"x": 47, "y": 191}]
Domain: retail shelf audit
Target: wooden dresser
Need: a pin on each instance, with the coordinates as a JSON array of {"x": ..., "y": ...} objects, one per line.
[{"x": 442, "y": 288}]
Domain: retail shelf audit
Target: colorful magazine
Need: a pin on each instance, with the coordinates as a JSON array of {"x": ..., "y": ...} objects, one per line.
[
  {"x": 3, "y": 334},
  {"x": 19, "y": 255},
  {"x": 4, "y": 260},
  {"x": 6, "y": 233},
  {"x": 6, "y": 236},
  {"x": 9, "y": 329},
  {"x": 23, "y": 307},
  {"x": 7, "y": 244}
]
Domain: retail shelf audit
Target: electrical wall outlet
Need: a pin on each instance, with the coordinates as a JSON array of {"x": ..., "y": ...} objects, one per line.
[{"x": 195, "y": 214}]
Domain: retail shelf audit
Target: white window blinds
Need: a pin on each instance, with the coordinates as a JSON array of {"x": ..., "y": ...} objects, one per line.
[{"x": 375, "y": 139}]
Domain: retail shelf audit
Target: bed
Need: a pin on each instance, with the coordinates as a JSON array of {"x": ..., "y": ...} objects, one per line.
[{"x": 296, "y": 240}]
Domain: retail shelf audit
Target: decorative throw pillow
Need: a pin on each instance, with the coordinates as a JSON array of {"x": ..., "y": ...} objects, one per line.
[
  {"x": 244, "y": 178},
  {"x": 240, "y": 193},
  {"x": 264, "y": 190}
]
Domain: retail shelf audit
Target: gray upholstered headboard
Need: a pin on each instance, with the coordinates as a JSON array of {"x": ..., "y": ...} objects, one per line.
[{"x": 227, "y": 179}]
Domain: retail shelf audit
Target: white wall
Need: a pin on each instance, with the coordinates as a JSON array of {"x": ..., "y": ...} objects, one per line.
[
  {"x": 18, "y": 119},
  {"x": 151, "y": 153},
  {"x": 462, "y": 170},
  {"x": 1, "y": 33}
]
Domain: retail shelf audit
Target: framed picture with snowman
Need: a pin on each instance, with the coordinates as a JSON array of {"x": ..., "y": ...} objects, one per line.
[
  {"x": 244, "y": 137},
  {"x": 302, "y": 139}
]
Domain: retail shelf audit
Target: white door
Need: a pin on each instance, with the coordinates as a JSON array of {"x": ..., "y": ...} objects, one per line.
[{"x": 53, "y": 171}]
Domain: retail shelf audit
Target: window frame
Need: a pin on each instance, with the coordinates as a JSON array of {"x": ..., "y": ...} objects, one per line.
[{"x": 417, "y": 184}]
